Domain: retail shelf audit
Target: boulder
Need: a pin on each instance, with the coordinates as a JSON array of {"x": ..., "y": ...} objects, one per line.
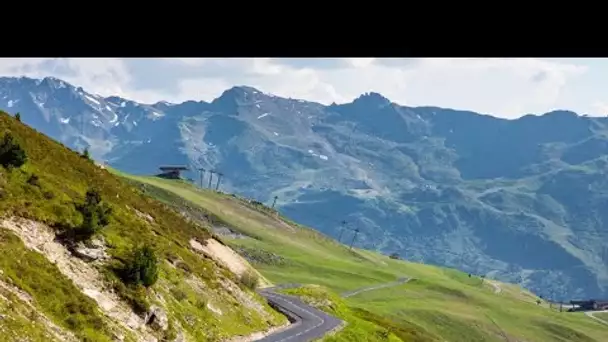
[
  {"x": 92, "y": 250},
  {"x": 157, "y": 318}
]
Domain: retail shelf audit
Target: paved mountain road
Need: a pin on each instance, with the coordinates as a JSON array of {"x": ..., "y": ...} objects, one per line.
[
  {"x": 307, "y": 323},
  {"x": 497, "y": 288},
  {"x": 590, "y": 314},
  {"x": 376, "y": 287}
]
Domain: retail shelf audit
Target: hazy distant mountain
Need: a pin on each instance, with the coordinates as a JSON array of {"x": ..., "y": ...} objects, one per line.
[{"x": 522, "y": 200}]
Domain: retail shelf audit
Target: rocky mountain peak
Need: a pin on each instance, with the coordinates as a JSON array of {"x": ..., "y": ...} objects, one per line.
[
  {"x": 371, "y": 99},
  {"x": 503, "y": 187}
]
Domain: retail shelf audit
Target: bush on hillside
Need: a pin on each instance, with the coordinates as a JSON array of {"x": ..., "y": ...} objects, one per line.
[
  {"x": 85, "y": 154},
  {"x": 142, "y": 269},
  {"x": 33, "y": 180},
  {"x": 95, "y": 214},
  {"x": 11, "y": 153},
  {"x": 18, "y": 117},
  {"x": 249, "y": 279}
]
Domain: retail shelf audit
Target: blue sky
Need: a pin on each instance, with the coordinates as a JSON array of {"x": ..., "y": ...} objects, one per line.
[{"x": 506, "y": 88}]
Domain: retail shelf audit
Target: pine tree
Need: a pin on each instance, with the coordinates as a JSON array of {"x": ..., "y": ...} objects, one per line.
[
  {"x": 143, "y": 267},
  {"x": 11, "y": 153},
  {"x": 95, "y": 214},
  {"x": 85, "y": 154}
]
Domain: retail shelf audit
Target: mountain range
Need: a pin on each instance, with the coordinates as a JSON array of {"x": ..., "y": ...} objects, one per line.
[{"x": 519, "y": 200}]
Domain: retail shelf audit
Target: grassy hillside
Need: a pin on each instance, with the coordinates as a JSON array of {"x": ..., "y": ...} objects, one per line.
[
  {"x": 47, "y": 292},
  {"x": 437, "y": 304},
  {"x": 438, "y": 185}
]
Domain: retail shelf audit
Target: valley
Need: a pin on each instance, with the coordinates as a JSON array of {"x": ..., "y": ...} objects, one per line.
[
  {"x": 96, "y": 254},
  {"x": 521, "y": 200},
  {"x": 368, "y": 290}
]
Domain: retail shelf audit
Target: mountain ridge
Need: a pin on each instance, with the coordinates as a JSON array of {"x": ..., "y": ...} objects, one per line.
[{"x": 426, "y": 182}]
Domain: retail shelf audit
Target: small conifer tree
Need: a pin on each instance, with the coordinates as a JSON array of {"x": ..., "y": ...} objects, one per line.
[
  {"x": 85, "y": 154},
  {"x": 143, "y": 267},
  {"x": 95, "y": 214},
  {"x": 11, "y": 153}
]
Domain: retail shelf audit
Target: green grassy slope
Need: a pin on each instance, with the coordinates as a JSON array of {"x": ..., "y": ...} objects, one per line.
[
  {"x": 440, "y": 304},
  {"x": 63, "y": 177}
]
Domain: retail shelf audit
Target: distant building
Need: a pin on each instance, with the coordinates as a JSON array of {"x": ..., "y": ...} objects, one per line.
[
  {"x": 172, "y": 171},
  {"x": 395, "y": 256},
  {"x": 592, "y": 304}
]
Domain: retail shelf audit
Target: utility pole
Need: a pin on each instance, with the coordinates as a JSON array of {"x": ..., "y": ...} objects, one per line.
[
  {"x": 343, "y": 223},
  {"x": 202, "y": 175},
  {"x": 210, "y": 178},
  {"x": 354, "y": 237},
  {"x": 219, "y": 179},
  {"x": 275, "y": 201}
]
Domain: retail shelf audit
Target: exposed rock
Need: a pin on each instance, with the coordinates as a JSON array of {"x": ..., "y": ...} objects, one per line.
[
  {"x": 225, "y": 256},
  {"x": 41, "y": 238},
  {"x": 92, "y": 250},
  {"x": 90, "y": 254},
  {"x": 144, "y": 216},
  {"x": 99, "y": 243},
  {"x": 157, "y": 318},
  {"x": 213, "y": 309}
]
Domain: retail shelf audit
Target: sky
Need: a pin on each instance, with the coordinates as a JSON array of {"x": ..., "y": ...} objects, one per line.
[{"x": 507, "y": 88}]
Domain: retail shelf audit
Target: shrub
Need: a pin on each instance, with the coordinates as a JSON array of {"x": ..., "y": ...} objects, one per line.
[
  {"x": 142, "y": 269},
  {"x": 95, "y": 214},
  {"x": 395, "y": 256},
  {"x": 18, "y": 117},
  {"x": 33, "y": 180},
  {"x": 201, "y": 304},
  {"x": 85, "y": 154},
  {"x": 136, "y": 297},
  {"x": 249, "y": 279},
  {"x": 11, "y": 153},
  {"x": 178, "y": 294}
]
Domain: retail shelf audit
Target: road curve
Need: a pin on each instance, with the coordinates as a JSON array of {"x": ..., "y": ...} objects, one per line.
[
  {"x": 377, "y": 287},
  {"x": 307, "y": 322},
  {"x": 497, "y": 288},
  {"x": 590, "y": 314}
]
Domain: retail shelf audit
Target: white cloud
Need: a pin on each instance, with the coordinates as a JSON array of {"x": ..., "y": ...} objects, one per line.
[
  {"x": 501, "y": 87},
  {"x": 601, "y": 107}
]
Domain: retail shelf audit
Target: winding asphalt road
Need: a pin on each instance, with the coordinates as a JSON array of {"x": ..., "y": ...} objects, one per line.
[
  {"x": 497, "y": 288},
  {"x": 307, "y": 323},
  {"x": 590, "y": 314},
  {"x": 377, "y": 287}
]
